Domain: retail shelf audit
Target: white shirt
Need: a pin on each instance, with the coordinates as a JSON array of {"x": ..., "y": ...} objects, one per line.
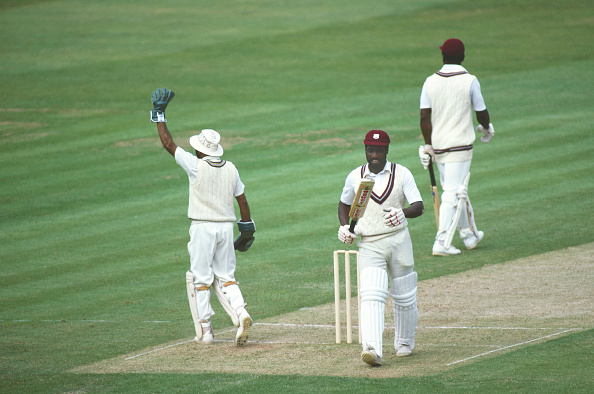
[
  {"x": 188, "y": 162},
  {"x": 409, "y": 187},
  {"x": 476, "y": 97}
]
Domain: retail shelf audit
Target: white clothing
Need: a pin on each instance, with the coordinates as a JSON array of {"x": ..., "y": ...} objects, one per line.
[
  {"x": 474, "y": 94},
  {"x": 451, "y": 94},
  {"x": 382, "y": 255},
  {"x": 409, "y": 187},
  {"x": 211, "y": 249},
  {"x": 452, "y": 176},
  {"x": 213, "y": 183}
]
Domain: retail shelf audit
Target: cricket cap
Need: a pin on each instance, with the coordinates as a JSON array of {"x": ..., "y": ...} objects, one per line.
[
  {"x": 377, "y": 137},
  {"x": 452, "y": 47},
  {"x": 207, "y": 142}
]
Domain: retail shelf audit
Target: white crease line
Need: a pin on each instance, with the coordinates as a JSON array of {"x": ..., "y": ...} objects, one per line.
[
  {"x": 297, "y": 325},
  {"x": 166, "y": 347},
  {"x": 510, "y": 346},
  {"x": 497, "y": 328},
  {"x": 156, "y": 350},
  {"x": 79, "y": 321},
  {"x": 332, "y": 326}
]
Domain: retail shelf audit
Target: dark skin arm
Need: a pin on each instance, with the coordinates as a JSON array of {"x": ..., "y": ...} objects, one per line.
[
  {"x": 483, "y": 118},
  {"x": 166, "y": 139},
  {"x": 343, "y": 213},
  {"x": 244, "y": 208},
  {"x": 426, "y": 126},
  {"x": 415, "y": 209}
]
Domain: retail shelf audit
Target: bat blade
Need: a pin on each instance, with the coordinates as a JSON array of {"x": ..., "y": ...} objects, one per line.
[
  {"x": 434, "y": 193},
  {"x": 361, "y": 199}
]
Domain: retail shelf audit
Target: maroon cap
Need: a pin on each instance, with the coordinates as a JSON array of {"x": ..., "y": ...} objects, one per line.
[
  {"x": 377, "y": 137},
  {"x": 452, "y": 47}
]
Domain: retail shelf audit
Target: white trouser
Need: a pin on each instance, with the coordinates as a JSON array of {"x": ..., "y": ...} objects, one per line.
[
  {"x": 393, "y": 254},
  {"x": 452, "y": 177},
  {"x": 212, "y": 255}
]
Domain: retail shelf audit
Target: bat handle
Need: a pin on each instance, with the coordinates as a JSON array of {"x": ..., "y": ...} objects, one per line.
[{"x": 352, "y": 226}]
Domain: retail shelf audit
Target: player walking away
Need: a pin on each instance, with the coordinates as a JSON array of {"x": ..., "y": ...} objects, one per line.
[
  {"x": 447, "y": 100},
  {"x": 213, "y": 184},
  {"x": 385, "y": 249}
]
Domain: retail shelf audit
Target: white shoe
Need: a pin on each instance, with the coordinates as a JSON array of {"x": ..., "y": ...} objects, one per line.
[
  {"x": 207, "y": 337},
  {"x": 440, "y": 250},
  {"x": 403, "y": 351},
  {"x": 370, "y": 357},
  {"x": 243, "y": 332},
  {"x": 473, "y": 240}
]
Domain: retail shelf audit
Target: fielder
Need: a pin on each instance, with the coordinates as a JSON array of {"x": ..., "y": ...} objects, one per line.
[
  {"x": 213, "y": 184},
  {"x": 447, "y": 100},
  {"x": 385, "y": 249}
]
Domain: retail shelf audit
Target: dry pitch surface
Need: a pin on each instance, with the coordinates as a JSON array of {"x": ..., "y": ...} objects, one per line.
[{"x": 464, "y": 318}]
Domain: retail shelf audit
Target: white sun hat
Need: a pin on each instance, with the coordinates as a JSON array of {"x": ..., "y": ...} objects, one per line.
[{"x": 207, "y": 142}]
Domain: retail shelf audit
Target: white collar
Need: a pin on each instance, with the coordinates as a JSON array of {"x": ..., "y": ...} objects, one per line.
[
  {"x": 452, "y": 68},
  {"x": 387, "y": 167}
]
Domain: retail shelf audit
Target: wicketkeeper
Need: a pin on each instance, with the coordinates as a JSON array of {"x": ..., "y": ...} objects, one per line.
[
  {"x": 448, "y": 99},
  {"x": 214, "y": 183},
  {"x": 385, "y": 250}
]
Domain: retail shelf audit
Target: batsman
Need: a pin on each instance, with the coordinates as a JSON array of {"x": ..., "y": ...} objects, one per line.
[
  {"x": 448, "y": 99},
  {"x": 385, "y": 248},
  {"x": 214, "y": 184}
]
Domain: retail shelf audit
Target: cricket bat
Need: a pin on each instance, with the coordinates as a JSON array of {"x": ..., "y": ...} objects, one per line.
[
  {"x": 434, "y": 193},
  {"x": 360, "y": 203}
]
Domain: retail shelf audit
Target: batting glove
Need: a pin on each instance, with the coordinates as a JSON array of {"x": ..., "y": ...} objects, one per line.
[
  {"x": 394, "y": 217},
  {"x": 487, "y": 133},
  {"x": 425, "y": 158},
  {"x": 345, "y": 235},
  {"x": 160, "y": 99}
]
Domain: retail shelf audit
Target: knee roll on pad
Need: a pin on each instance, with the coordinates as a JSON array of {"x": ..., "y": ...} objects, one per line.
[
  {"x": 374, "y": 285},
  {"x": 404, "y": 290},
  {"x": 449, "y": 197}
]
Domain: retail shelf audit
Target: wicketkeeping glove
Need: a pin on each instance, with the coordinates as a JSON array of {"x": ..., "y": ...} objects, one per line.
[
  {"x": 246, "y": 238},
  {"x": 160, "y": 99}
]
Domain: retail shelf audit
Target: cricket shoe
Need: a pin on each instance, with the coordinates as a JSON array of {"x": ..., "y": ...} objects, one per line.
[
  {"x": 473, "y": 240},
  {"x": 440, "y": 250},
  {"x": 403, "y": 351},
  {"x": 243, "y": 332},
  {"x": 370, "y": 357},
  {"x": 207, "y": 338}
]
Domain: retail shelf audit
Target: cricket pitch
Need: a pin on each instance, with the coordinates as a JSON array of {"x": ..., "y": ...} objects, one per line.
[{"x": 463, "y": 318}]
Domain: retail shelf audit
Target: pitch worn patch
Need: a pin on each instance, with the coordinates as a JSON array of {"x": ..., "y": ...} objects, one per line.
[{"x": 464, "y": 317}]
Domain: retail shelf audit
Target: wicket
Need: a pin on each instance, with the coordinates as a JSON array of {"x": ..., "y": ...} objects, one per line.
[{"x": 347, "y": 280}]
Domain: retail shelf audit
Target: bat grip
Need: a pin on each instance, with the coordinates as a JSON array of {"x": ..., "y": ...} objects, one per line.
[
  {"x": 431, "y": 173},
  {"x": 352, "y": 226}
]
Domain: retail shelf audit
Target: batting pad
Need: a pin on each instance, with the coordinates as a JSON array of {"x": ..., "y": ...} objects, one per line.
[
  {"x": 193, "y": 305},
  {"x": 406, "y": 314},
  {"x": 374, "y": 292},
  {"x": 217, "y": 287}
]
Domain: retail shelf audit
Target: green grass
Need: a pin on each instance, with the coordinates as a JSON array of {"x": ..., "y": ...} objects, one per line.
[{"x": 92, "y": 209}]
